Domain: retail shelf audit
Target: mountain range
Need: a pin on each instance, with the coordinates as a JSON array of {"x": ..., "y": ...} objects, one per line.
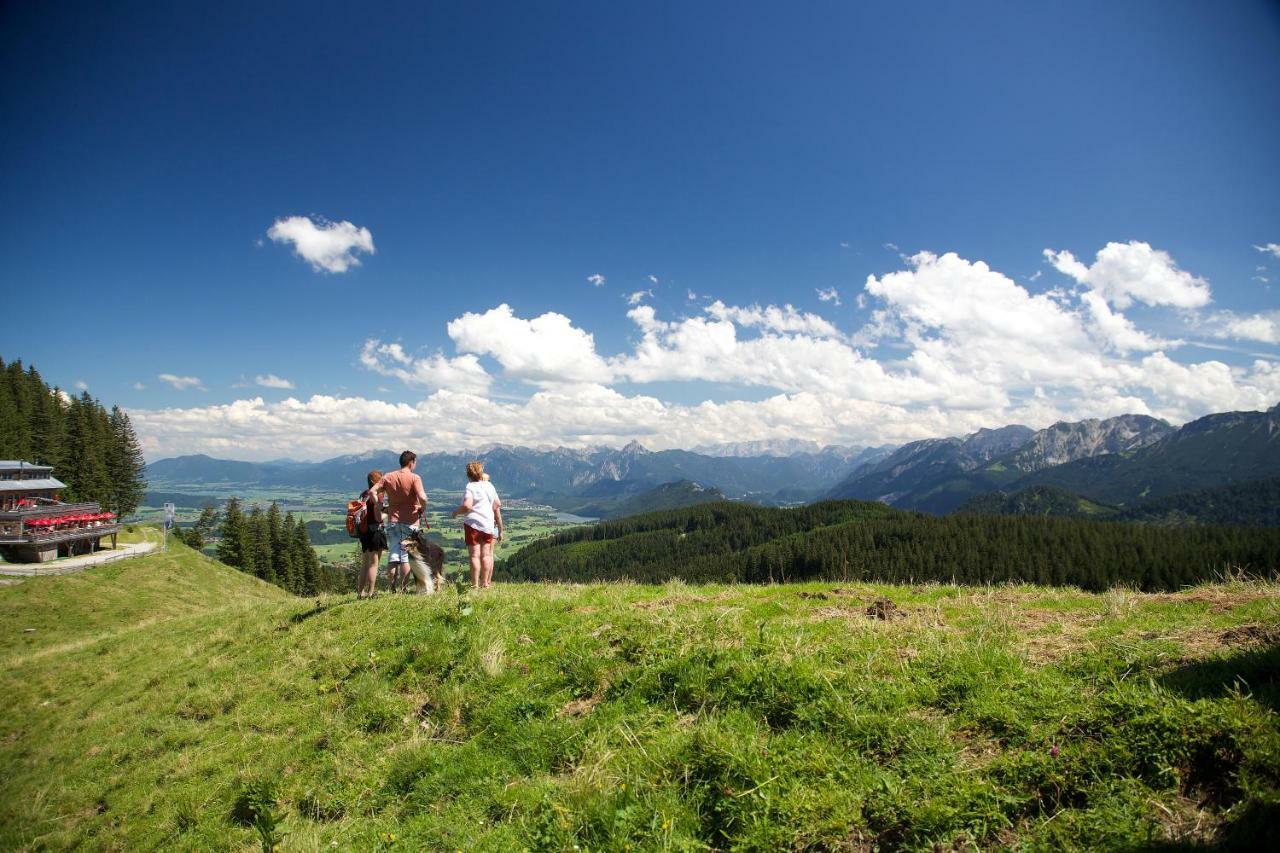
[
  {"x": 1115, "y": 462},
  {"x": 565, "y": 478}
]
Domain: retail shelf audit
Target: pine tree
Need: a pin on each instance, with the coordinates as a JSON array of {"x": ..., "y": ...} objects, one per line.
[
  {"x": 48, "y": 429},
  {"x": 207, "y": 521},
  {"x": 257, "y": 546},
  {"x": 231, "y": 548},
  {"x": 126, "y": 466},
  {"x": 86, "y": 474},
  {"x": 305, "y": 557},
  {"x": 282, "y": 562}
]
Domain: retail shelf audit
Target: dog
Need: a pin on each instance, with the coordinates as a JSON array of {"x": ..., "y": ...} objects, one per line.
[{"x": 426, "y": 562}]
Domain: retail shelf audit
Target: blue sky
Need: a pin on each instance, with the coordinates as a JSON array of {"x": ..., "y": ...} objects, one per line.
[{"x": 744, "y": 156}]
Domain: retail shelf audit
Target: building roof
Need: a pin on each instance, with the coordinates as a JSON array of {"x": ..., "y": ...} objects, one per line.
[
  {"x": 16, "y": 464},
  {"x": 29, "y": 485}
]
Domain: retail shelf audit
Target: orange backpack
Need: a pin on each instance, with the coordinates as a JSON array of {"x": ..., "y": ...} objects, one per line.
[{"x": 357, "y": 518}]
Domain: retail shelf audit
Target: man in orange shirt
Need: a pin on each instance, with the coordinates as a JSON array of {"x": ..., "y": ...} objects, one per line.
[{"x": 407, "y": 501}]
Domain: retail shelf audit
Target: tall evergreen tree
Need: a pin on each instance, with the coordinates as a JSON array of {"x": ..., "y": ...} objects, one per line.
[
  {"x": 306, "y": 559},
  {"x": 48, "y": 429},
  {"x": 207, "y": 521},
  {"x": 126, "y": 466},
  {"x": 282, "y": 543},
  {"x": 257, "y": 546},
  {"x": 86, "y": 475},
  {"x": 231, "y": 546}
]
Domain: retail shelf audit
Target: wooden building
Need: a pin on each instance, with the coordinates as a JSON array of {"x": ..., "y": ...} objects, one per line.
[{"x": 35, "y": 526}]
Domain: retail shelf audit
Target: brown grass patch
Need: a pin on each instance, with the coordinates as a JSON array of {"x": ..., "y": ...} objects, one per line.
[
  {"x": 579, "y": 707},
  {"x": 1221, "y": 599}
]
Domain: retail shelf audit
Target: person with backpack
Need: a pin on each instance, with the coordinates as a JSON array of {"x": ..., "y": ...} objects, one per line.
[
  {"x": 406, "y": 503},
  {"x": 366, "y": 523},
  {"x": 483, "y": 523}
]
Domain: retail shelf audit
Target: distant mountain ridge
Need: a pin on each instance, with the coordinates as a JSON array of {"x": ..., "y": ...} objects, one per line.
[
  {"x": 938, "y": 475},
  {"x": 1117, "y": 461},
  {"x": 560, "y": 476}
]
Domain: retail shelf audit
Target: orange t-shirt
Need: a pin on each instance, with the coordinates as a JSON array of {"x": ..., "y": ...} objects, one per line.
[{"x": 404, "y": 496}]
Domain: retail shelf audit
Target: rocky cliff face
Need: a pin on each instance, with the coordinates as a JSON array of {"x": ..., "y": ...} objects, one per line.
[{"x": 1066, "y": 442}]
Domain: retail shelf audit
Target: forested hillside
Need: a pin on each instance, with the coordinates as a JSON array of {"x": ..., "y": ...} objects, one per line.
[
  {"x": 93, "y": 451},
  {"x": 855, "y": 541},
  {"x": 1251, "y": 504}
]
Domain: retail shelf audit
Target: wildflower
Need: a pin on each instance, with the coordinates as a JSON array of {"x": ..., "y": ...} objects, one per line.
[{"x": 1054, "y": 752}]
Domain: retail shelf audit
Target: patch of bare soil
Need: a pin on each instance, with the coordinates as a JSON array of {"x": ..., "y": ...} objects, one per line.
[
  {"x": 884, "y": 610},
  {"x": 1253, "y": 634},
  {"x": 1203, "y": 641}
]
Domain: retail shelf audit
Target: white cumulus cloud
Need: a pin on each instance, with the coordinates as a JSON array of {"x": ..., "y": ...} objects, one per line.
[
  {"x": 596, "y": 279},
  {"x": 545, "y": 349},
  {"x": 327, "y": 246},
  {"x": 636, "y": 297},
  {"x": 1124, "y": 272},
  {"x": 830, "y": 294},
  {"x": 1269, "y": 249}
]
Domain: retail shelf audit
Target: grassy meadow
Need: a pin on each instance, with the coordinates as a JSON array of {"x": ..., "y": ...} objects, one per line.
[{"x": 170, "y": 702}]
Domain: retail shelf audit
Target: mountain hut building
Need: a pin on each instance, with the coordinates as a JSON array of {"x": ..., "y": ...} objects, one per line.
[{"x": 35, "y": 526}]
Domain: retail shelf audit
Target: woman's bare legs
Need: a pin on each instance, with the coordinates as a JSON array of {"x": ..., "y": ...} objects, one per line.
[
  {"x": 487, "y": 558},
  {"x": 474, "y": 552},
  {"x": 369, "y": 573}
]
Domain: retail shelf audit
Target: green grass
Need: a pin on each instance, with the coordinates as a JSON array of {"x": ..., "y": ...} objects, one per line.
[{"x": 170, "y": 702}]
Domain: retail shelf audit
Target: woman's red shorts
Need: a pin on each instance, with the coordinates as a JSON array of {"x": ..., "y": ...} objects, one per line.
[{"x": 475, "y": 537}]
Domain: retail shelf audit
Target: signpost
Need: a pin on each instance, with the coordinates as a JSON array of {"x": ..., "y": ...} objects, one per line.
[{"x": 168, "y": 522}]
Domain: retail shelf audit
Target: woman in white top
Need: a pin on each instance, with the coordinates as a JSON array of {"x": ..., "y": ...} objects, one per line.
[{"x": 483, "y": 523}]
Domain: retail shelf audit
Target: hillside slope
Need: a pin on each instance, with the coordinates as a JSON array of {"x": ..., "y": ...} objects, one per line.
[
  {"x": 670, "y": 718},
  {"x": 78, "y": 608}
]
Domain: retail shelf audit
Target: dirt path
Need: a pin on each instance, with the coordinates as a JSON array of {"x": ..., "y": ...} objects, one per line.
[{"x": 68, "y": 565}]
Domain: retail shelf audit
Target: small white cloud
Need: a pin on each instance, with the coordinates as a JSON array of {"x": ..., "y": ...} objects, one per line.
[
  {"x": 81, "y": 385},
  {"x": 638, "y": 296},
  {"x": 892, "y": 247},
  {"x": 181, "y": 383},
  {"x": 463, "y": 375},
  {"x": 1269, "y": 249},
  {"x": 653, "y": 278},
  {"x": 1035, "y": 276},
  {"x": 138, "y": 386},
  {"x": 273, "y": 381},
  {"x": 1261, "y": 278},
  {"x": 843, "y": 244},
  {"x": 828, "y": 295},
  {"x": 690, "y": 295},
  {"x": 327, "y": 246},
  {"x": 596, "y": 279},
  {"x": 861, "y": 300}
]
